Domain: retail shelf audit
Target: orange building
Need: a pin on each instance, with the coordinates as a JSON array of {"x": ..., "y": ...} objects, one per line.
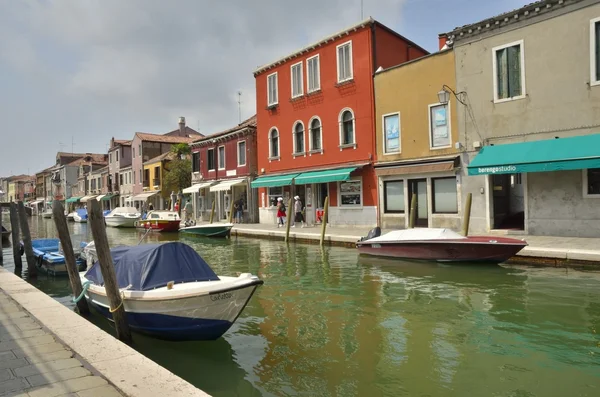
[{"x": 315, "y": 123}]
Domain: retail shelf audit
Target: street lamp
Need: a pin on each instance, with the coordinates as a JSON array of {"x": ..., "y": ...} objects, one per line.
[{"x": 444, "y": 95}]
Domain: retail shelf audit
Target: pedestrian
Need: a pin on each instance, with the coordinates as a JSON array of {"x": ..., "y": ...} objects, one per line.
[
  {"x": 298, "y": 217},
  {"x": 239, "y": 210},
  {"x": 177, "y": 206},
  {"x": 280, "y": 212},
  {"x": 150, "y": 207},
  {"x": 188, "y": 209}
]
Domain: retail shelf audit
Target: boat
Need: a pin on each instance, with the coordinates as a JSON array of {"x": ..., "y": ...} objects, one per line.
[
  {"x": 439, "y": 245},
  {"x": 70, "y": 216},
  {"x": 47, "y": 213},
  {"x": 50, "y": 258},
  {"x": 208, "y": 229},
  {"x": 170, "y": 292},
  {"x": 159, "y": 220},
  {"x": 80, "y": 215},
  {"x": 5, "y": 234},
  {"x": 122, "y": 217}
]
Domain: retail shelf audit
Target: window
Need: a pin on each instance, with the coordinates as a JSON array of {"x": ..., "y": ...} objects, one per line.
[
  {"x": 313, "y": 74},
  {"x": 351, "y": 193},
  {"x": 509, "y": 71},
  {"x": 344, "y": 62},
  {"x": 121, "y": 179},
  {"x": 439, "y": 126},
  {"x": 140, "y": 150},
  {"x": 346, "y": 128},
  {"x": 196, "y": 162},
  {"x": 274, "y": 143},
  {"x": 298, "y": 138},
  {"x": 241, "y": 153},
  {"x": 221, "y": 157},
  {"x": 315, "y": 135},
  {"x": 273, "y": 193},
  {"x": 272, "y": 89},
  {"x": 444, "y": 195},
  {"x": 210, "y": 159},
  {"x": 117, "y": 155},
  {"x": 110, "y": 158},
  {"x": 297, "y": 83},
  {"x": 595, "y": 51},
  {"x": 391, "y": 133},
  {"x": 133, "y": 153},
  {"x": 591, "y": 182},
  {"x": 393, "y": 197},
  {"x": 134, "y": 178},
  {"x": 140, "y": 182}
]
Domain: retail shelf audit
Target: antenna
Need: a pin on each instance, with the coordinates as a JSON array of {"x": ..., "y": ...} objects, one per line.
[
  {"x": 240, "y": 105},
  {"x": 361, "y": 10}
]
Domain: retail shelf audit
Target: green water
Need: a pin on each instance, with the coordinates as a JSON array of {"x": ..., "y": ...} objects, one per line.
[{"x": 328, "y": 323}]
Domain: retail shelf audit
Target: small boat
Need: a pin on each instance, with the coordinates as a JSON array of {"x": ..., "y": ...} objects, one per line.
[
  {"x": 50, "y": 258},
  {"x": 70, "y": 216},
  {"x": 122, "y": 217},
  {"x": 80, "y": 215},
  {"x": 162, "y": 221},
  {"x": 440, "y": 245},
  {"x": 209, "y": 229},
  {"x": 170, "y": 292},
  {"x": 47, "y": 213},
  {"x": 5, "y": 234}
]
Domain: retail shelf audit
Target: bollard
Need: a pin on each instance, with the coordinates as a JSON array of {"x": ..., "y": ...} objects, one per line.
[
  {"x": 324, "y": 225},
  {"x": 413, "y": 212},
  {"x": 467, "y": 215},
  {"x": 31, "y": 268},
  {"x": 289, "y": 220},
  {"x": 96, "y": 221},
  {"x": 212, "y": 212},
  {"x": 14, "y": 224},
  {"x": 60, "y": 220}
]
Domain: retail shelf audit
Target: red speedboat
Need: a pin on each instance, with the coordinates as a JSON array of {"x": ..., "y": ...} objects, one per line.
[
  {"x": 440, "y": 245},
  {"x": 160, "y": 221}
]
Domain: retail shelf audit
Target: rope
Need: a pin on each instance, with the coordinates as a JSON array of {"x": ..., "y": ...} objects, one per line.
[
  {"x": 85, "y": 286},
  {"x": 120, "y": 304}
]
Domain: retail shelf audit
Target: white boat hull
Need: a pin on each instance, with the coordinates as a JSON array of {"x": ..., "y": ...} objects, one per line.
[
  {"x": 79, "y": 219},
  {"x": 120, "y": 221}
]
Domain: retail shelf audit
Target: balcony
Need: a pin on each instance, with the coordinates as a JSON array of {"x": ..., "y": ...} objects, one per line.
[
  {"x": 146, "y": 183},
  {"x": 156, "y": 182}
]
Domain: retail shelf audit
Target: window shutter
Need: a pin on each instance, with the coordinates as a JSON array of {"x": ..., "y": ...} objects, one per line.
[
  {"x": 502, "y": 73},
  {"x": 514, "y": 70}
]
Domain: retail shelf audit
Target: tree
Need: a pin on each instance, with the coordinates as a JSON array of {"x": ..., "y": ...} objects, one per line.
[{"x": 178, "y": 171}]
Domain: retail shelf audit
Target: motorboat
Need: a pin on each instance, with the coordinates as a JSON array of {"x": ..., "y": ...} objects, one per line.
[
  {"x": 80, "y": 215},
  {"x": 208, "y": 229},
  {"x": 122, "y": 217},
  {"x": 170, "y": 292},
  {"x": 5, "y": 234},
  {"x": 50, "y": 257},
  {"x": 440, "y": 245},
  {"x": 159, "y": 220}
]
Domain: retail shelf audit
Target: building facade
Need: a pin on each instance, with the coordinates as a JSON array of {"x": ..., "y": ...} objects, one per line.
[
  {"x": 416, "y": 139},
  {"x": 315, "y": 123},
  {"x": 119, "y": 156},
  {"x": 223, "y": 167},
  {"x": 154, "y": 172},
  {"x": 125, "y": 186},
  {"x": 530, "y": 130}
]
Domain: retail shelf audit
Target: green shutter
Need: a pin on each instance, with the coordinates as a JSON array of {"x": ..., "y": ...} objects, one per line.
[{"x": 514, "y": 71}]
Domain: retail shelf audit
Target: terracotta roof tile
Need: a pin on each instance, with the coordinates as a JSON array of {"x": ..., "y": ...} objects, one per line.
[
  {"x": 249, "y": 122},
  {"x": 164, "y": 138}
]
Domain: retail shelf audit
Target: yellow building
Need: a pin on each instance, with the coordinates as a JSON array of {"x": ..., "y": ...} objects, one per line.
[
  {"x": 12, "y": 191},
  {"x": 154, "y": 171},
  {"x": 417, "y": 149}
]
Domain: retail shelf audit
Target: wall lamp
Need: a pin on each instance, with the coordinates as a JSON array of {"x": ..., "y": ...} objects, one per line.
[{"x": 444, "y": 95}]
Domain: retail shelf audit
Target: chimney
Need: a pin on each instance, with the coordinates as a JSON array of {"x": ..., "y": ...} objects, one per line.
[
  {"x": 182, "y": 126},
  {"x": 112, "y": 142},
  {"x": 443, "y": 38}
]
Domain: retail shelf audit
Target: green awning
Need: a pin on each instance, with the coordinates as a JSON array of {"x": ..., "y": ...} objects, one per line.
[
  {"x": 562, "y": 154},
  {"x": 107, "y": 197},
  {"x": 273, "y": 180},
  {"x": 341, "y": 174},
  {"x": 73, "y": 199}
]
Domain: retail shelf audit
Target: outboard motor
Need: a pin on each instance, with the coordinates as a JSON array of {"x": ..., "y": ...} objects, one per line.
[{"x": 375, "y": 232}]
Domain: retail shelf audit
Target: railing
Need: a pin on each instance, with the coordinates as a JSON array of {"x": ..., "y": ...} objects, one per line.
[{"x": 156, "y": 182}]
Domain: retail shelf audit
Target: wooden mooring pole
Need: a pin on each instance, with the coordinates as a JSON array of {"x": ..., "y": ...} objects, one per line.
[
  {"x": 324, "y": 224},
  {"x": 60, "y": 220},
  {"x": 96, "y": 221},
  {"x": 1, "y": 238},
  {"x": 413, "y": 211},
  {"x": 231, "y": 210},
  {"x": 31, "y": 268},
  {"x": 212, "y": 212},
  {"x": 467, "y": 215},
  {"x": 289, "y": 220},
  {"x": 14, "y": 224}
]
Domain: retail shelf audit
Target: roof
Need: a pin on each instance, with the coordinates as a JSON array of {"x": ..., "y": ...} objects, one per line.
[
  {"x": 95, "y": 156},
  {"x": 367, "y": 22},
  {"x": 20, "y": 178},
  {"x": 123, "y": 142},
  {"x": 413, "y": 61},
  {"x": 164, "y": 156},
  {"x": 163, "y": 138},
  {"x": 249, "y": 122},
  {"x": 537, "y": 8},
  {"x": 188, "y": 131}
]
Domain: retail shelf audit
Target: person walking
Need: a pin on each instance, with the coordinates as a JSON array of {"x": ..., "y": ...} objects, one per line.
[
  {"x": 280, "y": 212},
  {"x": 239, "y": 210},
  {"x": 298, "y": 217},
  {"x": 188, "y": 209},
  {"x": 150, "y": 207}
]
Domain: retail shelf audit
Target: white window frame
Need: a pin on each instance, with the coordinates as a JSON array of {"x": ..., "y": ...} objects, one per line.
[
  {"x": 337, "y": 57},
  {"x": 339, "y": 189},
  {"x": 219, "y": 158},
  {"x": 399, "y": 151},
  {"x": 207, "y": 157},
  {"x": 520, "y": 43},
  {"x": 318, "y": 87},
  {"x": 301, "y": 91},
  {"x": 271, "y": 157},
  {"x": 296, "y": 153},
  {"x": 593, "y": 81},
  {"x": 584, "y": 188},
  {"x": 341, "y": 130},
  {"x": 312, "y": 150},
  {"x": 270, "y": 102},
  {"x": 269, "y": 195},
  {"x": 239, "y": 143},
  {"x": 448, "y": 120},
  {"x": 198, "y": 162}
]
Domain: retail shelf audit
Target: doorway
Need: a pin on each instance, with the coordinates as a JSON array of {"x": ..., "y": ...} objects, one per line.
[
  {"x": 508, "y": 202},
  {"x": 419, "y": 187},
  {"x": 322, "y": 191}
]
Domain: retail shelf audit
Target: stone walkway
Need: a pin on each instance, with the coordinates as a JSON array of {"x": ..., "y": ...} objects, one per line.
[{"x": 33, "y": 363}]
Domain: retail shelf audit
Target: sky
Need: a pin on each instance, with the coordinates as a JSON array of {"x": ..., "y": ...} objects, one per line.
[{"x": 74, "y": 73}]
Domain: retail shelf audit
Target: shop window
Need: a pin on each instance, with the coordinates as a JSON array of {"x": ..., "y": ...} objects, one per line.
[
  {"x": 351, "y": 193},
  {"x": 445, "y": 199},
  {"x": 591, "y": 179},
  {"x": 273, "y": 193},
  {"x": 393, "y": 197}
]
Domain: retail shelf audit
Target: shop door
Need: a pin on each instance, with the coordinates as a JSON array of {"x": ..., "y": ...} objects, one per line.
[
  {"x": 322, "y": 191},
  {"x": 419, "y": 187},
  {"x": 508, "y": 202}
]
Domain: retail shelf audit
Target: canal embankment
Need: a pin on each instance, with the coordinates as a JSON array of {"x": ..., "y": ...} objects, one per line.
[
  {"x": 541, "y": 250},
  {"x": 47, "y": 350}
]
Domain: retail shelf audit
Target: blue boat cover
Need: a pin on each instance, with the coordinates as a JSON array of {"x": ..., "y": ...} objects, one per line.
[
  {"x": 42, "y": 245},
  {"x": 82, "y": 212},
  {"x": 150, "y": 266}
]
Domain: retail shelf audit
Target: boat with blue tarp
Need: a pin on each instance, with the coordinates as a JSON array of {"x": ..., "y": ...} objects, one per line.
[
  {"x": 50, "y": 258},
  {"x": 170, "y": 292},
  {"x": 80, "y": 215}
]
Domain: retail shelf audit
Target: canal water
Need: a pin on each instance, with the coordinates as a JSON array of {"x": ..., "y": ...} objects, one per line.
[{"x": 328, "y": 323}]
